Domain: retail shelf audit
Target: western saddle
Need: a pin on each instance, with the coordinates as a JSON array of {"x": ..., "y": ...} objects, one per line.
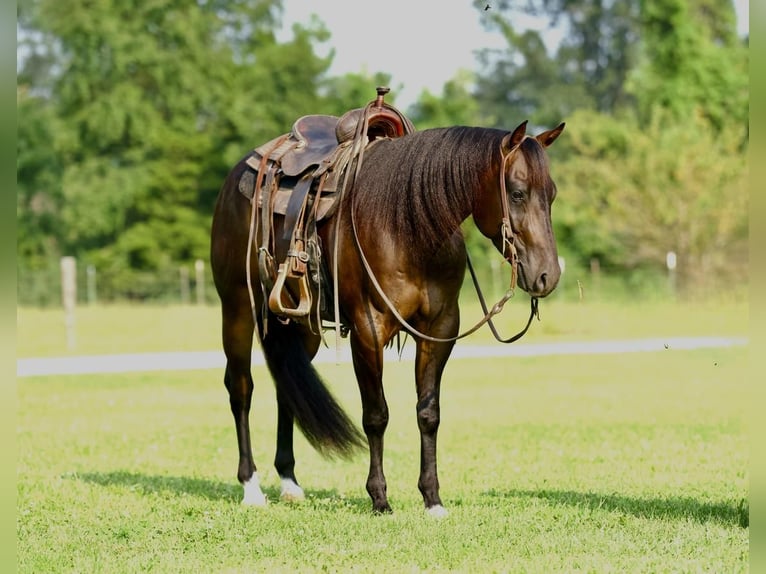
[{"x": 302, "y": 175}]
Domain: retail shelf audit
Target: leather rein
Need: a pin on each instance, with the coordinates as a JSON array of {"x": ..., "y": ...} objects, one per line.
[{"x": 508, "y": 237}]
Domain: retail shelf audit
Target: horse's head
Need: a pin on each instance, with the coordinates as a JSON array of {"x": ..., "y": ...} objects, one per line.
[{"x": 524, "y": 202}]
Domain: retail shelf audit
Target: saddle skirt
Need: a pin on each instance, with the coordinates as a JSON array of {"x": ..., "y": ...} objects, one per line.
[{"x": 333, "y": 165}]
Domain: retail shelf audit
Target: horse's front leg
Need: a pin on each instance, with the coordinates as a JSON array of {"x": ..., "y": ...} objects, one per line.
[
  {"x": 430, "y": 360},
  {"x": 367, "y": 354}
]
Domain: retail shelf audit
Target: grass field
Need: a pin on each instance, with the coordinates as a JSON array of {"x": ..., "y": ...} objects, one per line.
[
  {"x": 132, "y": 329},
  {"x": 602, "y": 463}
]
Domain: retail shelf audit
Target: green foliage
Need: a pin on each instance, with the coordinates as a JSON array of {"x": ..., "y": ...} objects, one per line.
[
  {"x": 455, "y": 106},
  {"x": 655, "y": 95},
  {"x": 352, "y": 91},
  {"x": 130, "y": 115},
  {"x": 152, "y": 104},
  {"x": 535, "y": 81},
  {"x": 692, "y": 63},
  {"x": 635, "y": 191},
  {"x": 39, "y": 189}
]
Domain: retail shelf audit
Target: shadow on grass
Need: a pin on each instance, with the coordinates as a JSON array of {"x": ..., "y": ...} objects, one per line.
[
  {"x": 209, "y": 489},
  {"x": 174, "y": 485},
  {"x": 674, "y": 508}
]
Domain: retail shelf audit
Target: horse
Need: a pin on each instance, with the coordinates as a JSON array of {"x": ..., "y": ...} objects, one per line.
[{"x": 399, "y": 260}]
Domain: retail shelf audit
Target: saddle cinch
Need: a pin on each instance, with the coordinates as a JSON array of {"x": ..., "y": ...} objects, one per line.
[{"x": 302, "y": 175}]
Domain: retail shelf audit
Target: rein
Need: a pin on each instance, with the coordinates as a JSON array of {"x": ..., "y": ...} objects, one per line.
[{"x": 508, "y": 244}]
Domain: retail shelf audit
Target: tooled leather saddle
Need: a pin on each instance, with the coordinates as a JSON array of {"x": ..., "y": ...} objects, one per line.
[{"x": 302, "y": 176}]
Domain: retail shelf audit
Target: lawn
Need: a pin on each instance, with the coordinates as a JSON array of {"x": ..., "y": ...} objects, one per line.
[
  {"x": 106, "y": 329},
  {"x": 601, "y": 463}
]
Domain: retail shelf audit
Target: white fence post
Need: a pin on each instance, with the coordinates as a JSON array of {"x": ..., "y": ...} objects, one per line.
[
  {"x": 69, "y": 298},
  {"x": 671, "y": 261}
]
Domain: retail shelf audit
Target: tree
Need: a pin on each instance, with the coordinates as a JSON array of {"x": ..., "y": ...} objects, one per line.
[
  {"x": 353, "y": 90},
  {"x": 655, "y": 96},
  {"x": 455, "y": 106},
  {"x": 151, "y": 104},
  {"x": 38, "y": 197},
  {"x": 692, "y": 63},
  {"x": 544, "y": 83},
  {"x": 635, "y": 191}
]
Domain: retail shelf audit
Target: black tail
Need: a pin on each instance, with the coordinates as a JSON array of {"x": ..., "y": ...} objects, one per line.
[{"x": 300, "y": 388}]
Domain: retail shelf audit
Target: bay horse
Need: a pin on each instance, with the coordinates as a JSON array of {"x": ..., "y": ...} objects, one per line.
[{"x": 401, "y": 257}]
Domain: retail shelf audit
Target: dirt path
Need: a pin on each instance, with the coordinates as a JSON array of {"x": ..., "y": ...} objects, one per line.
[{"x": 182, "y": 361}]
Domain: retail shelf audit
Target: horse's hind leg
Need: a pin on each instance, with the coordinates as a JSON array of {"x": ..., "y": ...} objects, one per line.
[
  {"x": 284, "y": 460},
  {"x": 237, "y": 345},
  {"x": 302, "y": 398}
]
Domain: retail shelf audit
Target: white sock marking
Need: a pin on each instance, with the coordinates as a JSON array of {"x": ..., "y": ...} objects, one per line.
[
  {"x": 437, "y": 511},
  {"x": 253, "y": 494},
  {"x": 291, "y": 492}
]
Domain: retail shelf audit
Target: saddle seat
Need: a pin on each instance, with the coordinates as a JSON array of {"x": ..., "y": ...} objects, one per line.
[
  {"x": 314, "y": 138},
  {"x": 310, "y": 141}
]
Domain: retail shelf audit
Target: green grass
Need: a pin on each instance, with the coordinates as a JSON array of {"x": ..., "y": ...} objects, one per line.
[
  {"x": 605, "y": 463},
  {"x": 131, "y": 329}
]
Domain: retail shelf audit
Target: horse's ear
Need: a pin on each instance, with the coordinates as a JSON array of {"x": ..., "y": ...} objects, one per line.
[
  {"x": 511, "y": 140},
  {"x": 547, "y": 138}
]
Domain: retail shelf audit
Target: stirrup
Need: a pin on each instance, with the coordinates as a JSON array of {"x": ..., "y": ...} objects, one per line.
[{"x": 275, "y": 298}]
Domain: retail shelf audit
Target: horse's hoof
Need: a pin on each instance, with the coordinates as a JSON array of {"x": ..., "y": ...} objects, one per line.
[
  {"x": 291, "y": 492},
  {"x": 437, "y": 511},
  {"x": 383, "y": 509},
  {"x": 254, "y": 500},
  {"x": 253, "y": 495}
]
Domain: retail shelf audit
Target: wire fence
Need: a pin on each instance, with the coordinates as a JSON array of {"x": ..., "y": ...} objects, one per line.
[{"x": 192, "y": 283}]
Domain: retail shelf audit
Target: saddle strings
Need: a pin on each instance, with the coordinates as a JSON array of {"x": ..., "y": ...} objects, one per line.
[
  {"x": 357, "y": 154},
  {"x": 253, "y": 232}
]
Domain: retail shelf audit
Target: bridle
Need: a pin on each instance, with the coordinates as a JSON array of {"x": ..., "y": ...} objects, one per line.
[
  {"x": 508, "y": 242},
  {"x": 506, "y": 228}
]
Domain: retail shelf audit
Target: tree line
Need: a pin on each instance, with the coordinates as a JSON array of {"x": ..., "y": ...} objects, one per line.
[{"x": 131, "y": 113}]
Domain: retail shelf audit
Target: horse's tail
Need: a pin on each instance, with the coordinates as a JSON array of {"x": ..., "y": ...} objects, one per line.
[{"x": 301, "y": 390}]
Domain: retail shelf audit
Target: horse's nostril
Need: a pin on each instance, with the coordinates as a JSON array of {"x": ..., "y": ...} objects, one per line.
[{"x": 543, "y": 280}]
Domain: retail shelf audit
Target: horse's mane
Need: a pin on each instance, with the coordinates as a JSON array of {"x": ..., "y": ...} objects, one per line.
[{"x": 421, "y": 185}]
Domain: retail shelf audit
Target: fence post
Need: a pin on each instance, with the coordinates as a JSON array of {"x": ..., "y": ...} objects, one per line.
[
  {"x": 199, "y": 269},
  {"x": 671, "y": 261},
  {"x": 69, "y": 298}
]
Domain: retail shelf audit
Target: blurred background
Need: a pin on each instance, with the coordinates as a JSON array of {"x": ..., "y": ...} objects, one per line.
[{"x": 131, "y": 113}]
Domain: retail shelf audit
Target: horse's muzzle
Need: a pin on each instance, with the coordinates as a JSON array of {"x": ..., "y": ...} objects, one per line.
[{"x": 543, "y": 284}]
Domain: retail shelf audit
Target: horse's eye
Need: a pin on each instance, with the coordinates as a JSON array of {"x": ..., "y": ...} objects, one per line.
[{"x": 517, "y": 195}]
